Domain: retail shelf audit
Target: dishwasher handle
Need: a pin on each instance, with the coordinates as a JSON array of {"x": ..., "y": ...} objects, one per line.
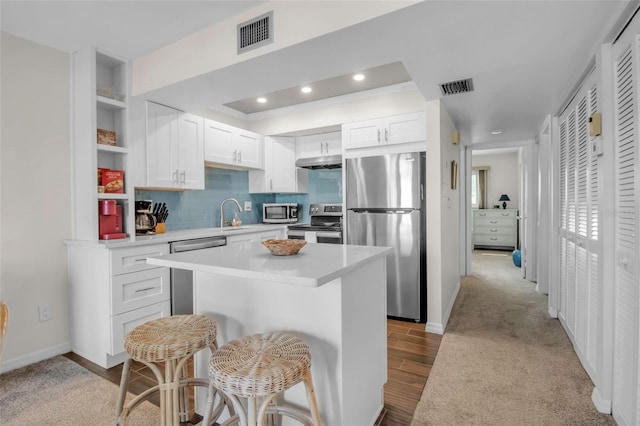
[{"x": 199, "y": 244}]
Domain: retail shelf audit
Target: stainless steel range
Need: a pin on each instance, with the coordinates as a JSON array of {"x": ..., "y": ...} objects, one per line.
[{"x": 325, "y": 225}]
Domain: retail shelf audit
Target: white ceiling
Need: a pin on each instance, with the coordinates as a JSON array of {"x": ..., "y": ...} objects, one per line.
[{"x": 523, "y": 56}]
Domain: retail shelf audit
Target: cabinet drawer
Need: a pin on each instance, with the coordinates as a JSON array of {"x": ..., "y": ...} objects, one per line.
[
  {"x": 138, "y": 289},
  {"x": 124, "y": 323},
  {"x": 494, "y": 213},
  {"x": 493, "y": 240},
  {"x": 494, "y": 221},
  {"x": 494, "y": 230},
  {"x": 134, "y": 259}
]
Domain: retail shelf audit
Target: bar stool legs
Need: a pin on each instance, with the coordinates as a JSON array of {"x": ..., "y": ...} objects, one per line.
[{"x": 171, "y": 341}]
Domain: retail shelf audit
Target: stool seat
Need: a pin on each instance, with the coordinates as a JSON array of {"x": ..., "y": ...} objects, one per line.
[
  {"x": 260, "y": 365},
  {"x": 171, "y": 337}
]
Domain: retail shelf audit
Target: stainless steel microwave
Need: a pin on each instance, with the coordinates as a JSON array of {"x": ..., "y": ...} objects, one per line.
[{"x": 279, "y": 213}]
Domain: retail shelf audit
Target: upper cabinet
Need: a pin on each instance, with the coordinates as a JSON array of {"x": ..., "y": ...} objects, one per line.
[
  {"x": 280, "y": 173},
  {"x": 175, "y": 148},
  {"x": 319, "y": 145},
  {"x": 100, "y": 113},
  {"x": 397, "y": 129},
  {"x": 230, "y": 146}
]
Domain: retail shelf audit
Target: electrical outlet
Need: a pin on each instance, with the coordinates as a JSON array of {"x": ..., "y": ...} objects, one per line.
[
  {"x": 247, "y": 206},
  {"x": 45, "y": 312}
]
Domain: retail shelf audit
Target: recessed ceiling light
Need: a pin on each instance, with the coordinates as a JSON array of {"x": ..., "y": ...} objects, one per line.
[
  {"x": 358, "y": 77},
  {"x": 262, "y": 100},
  {"x": 496, "y": 131},
  {"x": 306, "y": 89}
]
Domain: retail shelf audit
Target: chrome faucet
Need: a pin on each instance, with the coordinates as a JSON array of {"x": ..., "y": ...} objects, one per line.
[{"x": 222, "y": 209}]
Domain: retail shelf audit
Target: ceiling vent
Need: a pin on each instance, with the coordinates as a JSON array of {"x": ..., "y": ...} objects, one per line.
[
  {"x": 255, "y": 33},
  {"x": 457, "y": 87}
]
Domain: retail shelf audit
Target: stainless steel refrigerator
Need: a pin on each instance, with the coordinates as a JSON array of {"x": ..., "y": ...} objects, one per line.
[{"x": 385, "y": 207}]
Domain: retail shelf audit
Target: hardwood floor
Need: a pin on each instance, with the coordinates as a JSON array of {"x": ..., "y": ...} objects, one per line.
[
  {"x": 410, "y": 355},
  {"x": 411, "y": 352}
]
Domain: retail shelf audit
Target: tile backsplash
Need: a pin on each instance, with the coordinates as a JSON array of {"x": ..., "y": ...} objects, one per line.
[{"x": 201, "y": 209}]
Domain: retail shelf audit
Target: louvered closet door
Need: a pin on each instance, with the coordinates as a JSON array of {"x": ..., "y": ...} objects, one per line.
[
  {"x": 580, "y": 247},
  {"x": 625, "y": 402}
]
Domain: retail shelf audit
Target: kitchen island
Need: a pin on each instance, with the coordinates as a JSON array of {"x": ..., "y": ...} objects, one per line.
[{"x": 332, "y": 296}]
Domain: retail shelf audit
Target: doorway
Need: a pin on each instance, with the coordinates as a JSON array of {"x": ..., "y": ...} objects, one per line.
[{"x": 499, "y": 180}]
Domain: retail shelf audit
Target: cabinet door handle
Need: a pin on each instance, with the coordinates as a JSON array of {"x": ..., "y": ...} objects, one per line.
[
  {"x": 270, "y": 183},
  {"x": 234, "y": 156},
  {"x": 493, "y": 239},
  {"x": 326, "y": 147},
  {"x": 175, "y": 177},
  {"x": 140, "y": 290},
  {"x": 321, "y": 148},
  {"x": 239, "y": 156},
  {"x": 386, "y": 135},
  {"x": 493, "y": 221},
  {"x": 184, "y": 176},
  {"x": 482, "y": 214},
  {"x": 141, "y": 259},
  {"x": 378, "y": 135},
  {"x": 493, "y": 230}
]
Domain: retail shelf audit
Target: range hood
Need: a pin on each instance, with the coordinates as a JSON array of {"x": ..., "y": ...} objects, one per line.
[{"x": 323, "y": 162}]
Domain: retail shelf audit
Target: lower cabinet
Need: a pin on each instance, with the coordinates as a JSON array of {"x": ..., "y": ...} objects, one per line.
[
  {"x": 124, "y": 323},
  {"x": 495, "y": 228},
  {"x": 274, "y": 234},
  {"x": 112, "y": 291}
]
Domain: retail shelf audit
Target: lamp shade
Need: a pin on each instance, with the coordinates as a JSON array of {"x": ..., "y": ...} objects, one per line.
[{"x": 504, "y": 197}]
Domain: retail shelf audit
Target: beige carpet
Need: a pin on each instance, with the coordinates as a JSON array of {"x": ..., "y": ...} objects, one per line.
[
  {"x": 58, "y": 391},
  {"x": 503, "y": 360}
]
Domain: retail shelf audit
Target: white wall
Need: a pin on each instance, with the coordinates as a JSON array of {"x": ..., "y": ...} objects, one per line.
[
  {"x": 443, "y": 212},
  {"x": 354, "y": 108},
  {"x": 503, "y": 177},
  {"x": 36, "y": 198}
]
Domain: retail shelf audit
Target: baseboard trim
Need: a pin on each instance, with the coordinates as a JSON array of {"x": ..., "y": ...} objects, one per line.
[
  {"x": 553, "y": 312},
  {"x": 439, "y": 327},
  {"x": 434, "y": 327},
  {"x": 602, "y": 405},
  {"x": 34, "y": 357}
]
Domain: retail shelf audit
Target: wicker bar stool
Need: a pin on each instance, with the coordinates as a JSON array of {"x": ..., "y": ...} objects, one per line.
[
  {"x": 171, "y": 341},
  {"x": 260, "y": 367}
]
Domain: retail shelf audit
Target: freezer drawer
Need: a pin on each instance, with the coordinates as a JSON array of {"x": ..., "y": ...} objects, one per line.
[{"x": 401, "y": 231}]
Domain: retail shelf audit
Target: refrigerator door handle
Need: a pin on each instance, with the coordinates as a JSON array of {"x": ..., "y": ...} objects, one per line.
[{"x": 421, "y": 192}]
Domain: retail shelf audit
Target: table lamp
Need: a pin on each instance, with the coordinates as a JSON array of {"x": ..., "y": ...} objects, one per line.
[{"x": 504, "y": 198}]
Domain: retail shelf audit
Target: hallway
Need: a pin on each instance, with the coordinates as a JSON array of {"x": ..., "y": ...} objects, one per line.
[{"x": 503, "y": 360}]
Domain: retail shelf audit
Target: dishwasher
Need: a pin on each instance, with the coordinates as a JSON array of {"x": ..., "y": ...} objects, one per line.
[{"x": 182, "y": 280}]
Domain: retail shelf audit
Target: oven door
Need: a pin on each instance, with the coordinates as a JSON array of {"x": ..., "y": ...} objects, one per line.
[{"x": 327, "y": 237}]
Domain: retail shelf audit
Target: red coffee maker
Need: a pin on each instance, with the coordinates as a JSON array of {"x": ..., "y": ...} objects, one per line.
[{"x": 110, "y": 220}]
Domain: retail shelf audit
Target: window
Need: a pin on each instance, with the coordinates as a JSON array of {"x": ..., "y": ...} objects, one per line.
[{"x": 479, "y": 187}]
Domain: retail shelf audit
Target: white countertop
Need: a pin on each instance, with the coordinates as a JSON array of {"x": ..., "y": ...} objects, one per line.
[
  {"x": 313, "y": 266},
  {"x": 186, "y": 234}
]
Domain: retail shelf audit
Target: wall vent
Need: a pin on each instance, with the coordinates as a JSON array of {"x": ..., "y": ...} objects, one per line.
[
  {"x": 255, "y": 32},
  {"x": 456, "y": 87}
]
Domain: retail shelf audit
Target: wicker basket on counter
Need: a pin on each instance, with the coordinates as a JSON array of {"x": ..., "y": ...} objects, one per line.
[{"x": 284, "y": 247}]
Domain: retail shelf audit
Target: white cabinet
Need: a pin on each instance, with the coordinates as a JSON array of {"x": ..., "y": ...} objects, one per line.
[
  {"x": 319, "y": 145},
  {"x": 100, "y": 101},
  {"x": 175, "y": 148},
  {"x": 397, "y": 129},
  {"x": 231, "y": 146},
  {"x": 111, "y": 292},
  {"x": 495, "y": 228},
  {"x": 274, "y": 234},
  {"x": 280, "y": 173}
]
